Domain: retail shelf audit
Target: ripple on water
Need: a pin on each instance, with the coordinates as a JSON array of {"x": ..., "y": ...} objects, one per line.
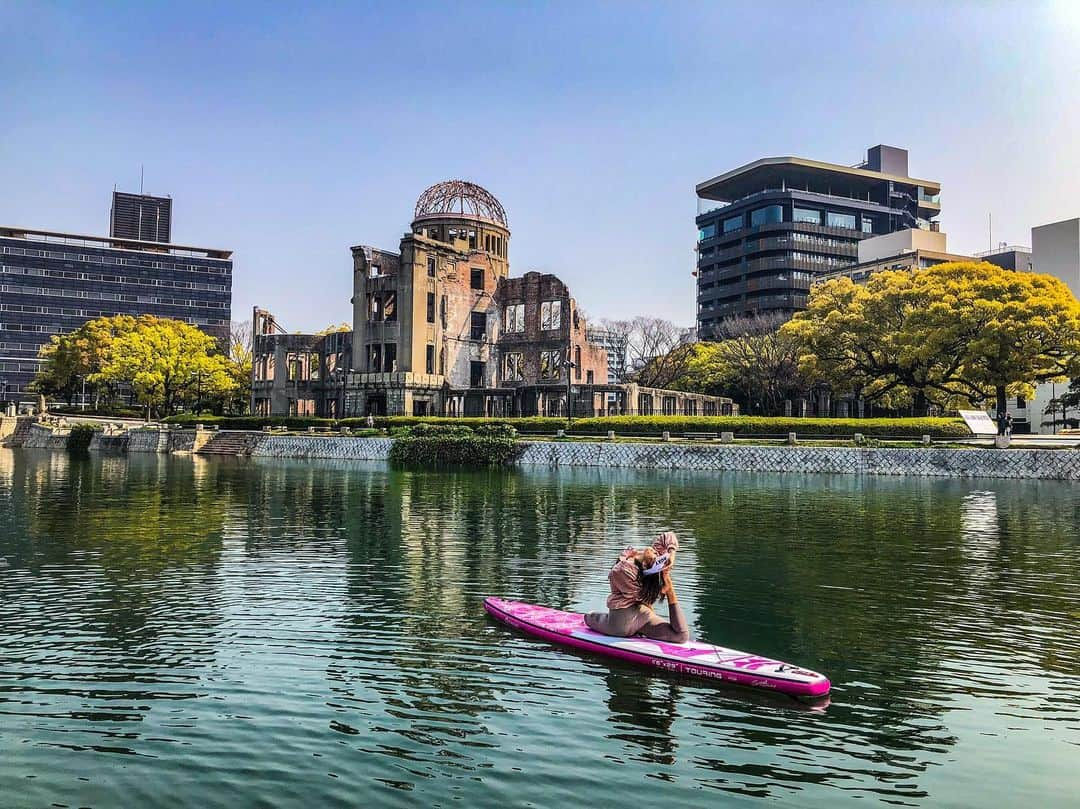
[{"x": 296, "y": 634}]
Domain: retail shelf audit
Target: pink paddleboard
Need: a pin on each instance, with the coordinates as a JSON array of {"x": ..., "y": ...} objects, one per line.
[{"x": 693, "y": 658}]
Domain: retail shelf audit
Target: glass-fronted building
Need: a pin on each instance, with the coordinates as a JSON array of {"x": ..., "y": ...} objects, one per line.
[
  {"x": 767, "y": 229},
  {"x": 52, "y": 283}
]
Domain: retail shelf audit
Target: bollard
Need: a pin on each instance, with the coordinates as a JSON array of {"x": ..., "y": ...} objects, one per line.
[
  {"x": 667, "y": 436},
  {"x": 857, "y": 438},
  {"x": 560, "y": 433},
  {"x": 611, "y": 435},
  {"x": 345, "y": 431},
  {"x": 727, "y": 438},
  {"x": 1002, "y": 441},
  {"x": 792, "y": 438},
  {"x": 311, "y": 430},
  {"x": 926, "y": 440}
]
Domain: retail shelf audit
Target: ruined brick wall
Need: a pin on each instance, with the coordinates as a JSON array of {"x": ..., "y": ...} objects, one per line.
[{"x": 534, "y": 289}]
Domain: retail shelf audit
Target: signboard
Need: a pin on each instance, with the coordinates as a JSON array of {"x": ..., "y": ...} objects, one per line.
[{"x": 979, "y": 422}]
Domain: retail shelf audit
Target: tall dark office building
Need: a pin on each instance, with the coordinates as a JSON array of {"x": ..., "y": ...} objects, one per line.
[
  {"x": 52, "y": 283},
  {"x": 140, "y": 217},
  {"x": 767, "y": 228}
]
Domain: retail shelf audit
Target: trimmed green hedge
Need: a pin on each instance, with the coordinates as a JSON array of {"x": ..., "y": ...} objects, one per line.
[
  {"x": 442, "y": 445},
  {"x": 250, "y": 422},
  {"x": 622, "y": 425},
  {"x": 767, "y": 425},
  {"x": 532, "y": 424}
]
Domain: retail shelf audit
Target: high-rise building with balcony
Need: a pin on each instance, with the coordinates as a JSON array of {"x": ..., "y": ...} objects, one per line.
[{"x": 767, "y": 229}]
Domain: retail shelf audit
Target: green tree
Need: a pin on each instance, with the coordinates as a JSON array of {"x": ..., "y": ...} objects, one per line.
[
  {"x": 168, "y": 363},
  {"x": 78, "y": 357},
  {"x": 1021, "y": 328},
  {"x": 962, "y": 331}
]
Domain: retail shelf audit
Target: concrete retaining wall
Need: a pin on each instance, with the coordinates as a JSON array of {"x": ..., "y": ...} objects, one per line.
[{"x": 1011, "y": 463}]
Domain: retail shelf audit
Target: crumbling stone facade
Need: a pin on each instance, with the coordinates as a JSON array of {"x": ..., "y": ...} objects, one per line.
[{"x": 440, "y": 328}]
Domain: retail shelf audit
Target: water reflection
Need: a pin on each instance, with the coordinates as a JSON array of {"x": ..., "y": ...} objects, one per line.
[{"x": 322, "y": 620}]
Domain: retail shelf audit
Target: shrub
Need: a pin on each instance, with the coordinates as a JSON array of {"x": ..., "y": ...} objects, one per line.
[
  {"x": 768, "y": 425},
  {"x": 81, "y": 435},
  {"x": 443, "y": 445}
]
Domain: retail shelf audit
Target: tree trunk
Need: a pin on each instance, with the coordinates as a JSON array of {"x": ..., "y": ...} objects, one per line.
[
  {"x": 920, "y": 406},
  {"x": 1001, "y": 404}
]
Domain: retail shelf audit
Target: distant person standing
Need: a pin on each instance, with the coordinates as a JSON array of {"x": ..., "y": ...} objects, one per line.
[
  {"x": 1001, "y": 423},
  {"x": 1008, "y": 424}
]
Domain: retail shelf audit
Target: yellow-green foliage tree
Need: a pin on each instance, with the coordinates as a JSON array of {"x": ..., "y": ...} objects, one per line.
[
  {"x": 77, "y": 357},
  {"x": 168, "y": 363},
  {"x": 953, "y": 332},
  {"x": 1023, "y": 328}
]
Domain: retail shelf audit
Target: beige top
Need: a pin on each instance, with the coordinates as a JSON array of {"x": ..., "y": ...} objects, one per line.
[{"x": 625, "y": 577}]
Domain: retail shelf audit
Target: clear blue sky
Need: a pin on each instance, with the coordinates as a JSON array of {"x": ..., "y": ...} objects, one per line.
[{"x": 290, "y": 133}]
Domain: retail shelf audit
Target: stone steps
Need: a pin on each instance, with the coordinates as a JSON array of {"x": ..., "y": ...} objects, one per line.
[{"x": 231, "y": 442}]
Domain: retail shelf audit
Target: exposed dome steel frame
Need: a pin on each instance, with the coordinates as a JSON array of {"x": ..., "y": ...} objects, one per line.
[{"x": 460, "y": 197}]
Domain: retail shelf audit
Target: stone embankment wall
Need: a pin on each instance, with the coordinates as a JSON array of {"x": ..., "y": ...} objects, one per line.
[
  {"x": 342, "y": 447},
  {"x": 1062, "y": 464},
  {"x": 40, "y": 437},
  {"x": 1011, "y": 463}
]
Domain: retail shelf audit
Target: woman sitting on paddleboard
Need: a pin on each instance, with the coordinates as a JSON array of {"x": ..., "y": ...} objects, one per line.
[{"x": 638, "y": 580}]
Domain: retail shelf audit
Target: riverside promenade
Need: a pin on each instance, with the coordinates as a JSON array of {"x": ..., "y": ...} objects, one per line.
[{"x": 929, "y": 461}]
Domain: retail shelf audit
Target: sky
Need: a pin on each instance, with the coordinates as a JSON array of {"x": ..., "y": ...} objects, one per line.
[{"x": 290, "y": 132}]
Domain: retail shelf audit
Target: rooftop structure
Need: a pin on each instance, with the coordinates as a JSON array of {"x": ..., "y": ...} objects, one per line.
[
  {"x": 902, "y": 250},
  {"x": 140, "y": 216}
]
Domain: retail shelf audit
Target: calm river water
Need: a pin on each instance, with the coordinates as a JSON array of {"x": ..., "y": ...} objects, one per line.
[{"x": 189, "y": 632}]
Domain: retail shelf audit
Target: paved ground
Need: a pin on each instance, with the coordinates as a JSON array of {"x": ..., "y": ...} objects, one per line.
[{"x": 1029, "y": 441}]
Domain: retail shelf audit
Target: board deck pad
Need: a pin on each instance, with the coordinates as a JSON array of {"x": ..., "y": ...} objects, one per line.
[{"x": 694, "y": 658}]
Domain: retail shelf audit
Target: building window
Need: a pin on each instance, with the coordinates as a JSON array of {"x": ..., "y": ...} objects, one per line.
[
  {"x": 806, "y": 215},
  {"x": 476, "y": 278},
  {"x": 515, "y": 318},
  {"x": 431, "y": 307},
  {"x": 375, "y": 361},
  {"x": 588, "y": 377},
  {"x": 767, "y": 215},
  {"x": 577, "y": 363},
  {"x": 733, "y": 223},
  {"x": 476, "y": 374},
  {"x": 390, "y": 357},
  {"x": 841, "y": 220},
  {"x": 550, "y": 315},
  {"x": 430, "y": 360},
  {"x": 431, "y": 266},
  {"x": 707, "y": 232},
  {"x": 390, "y": 306},
  {"x": 478, "y": 326},
  {"x": 549, "y": 364},
  {"x": 1021, "y": 402},
  {"x": 867, "y": 225},
  {"x": 513, "y": 367}
]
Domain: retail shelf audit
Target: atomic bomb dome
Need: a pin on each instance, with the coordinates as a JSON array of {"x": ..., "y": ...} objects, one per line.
[{"x": 460, "y": 198}]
